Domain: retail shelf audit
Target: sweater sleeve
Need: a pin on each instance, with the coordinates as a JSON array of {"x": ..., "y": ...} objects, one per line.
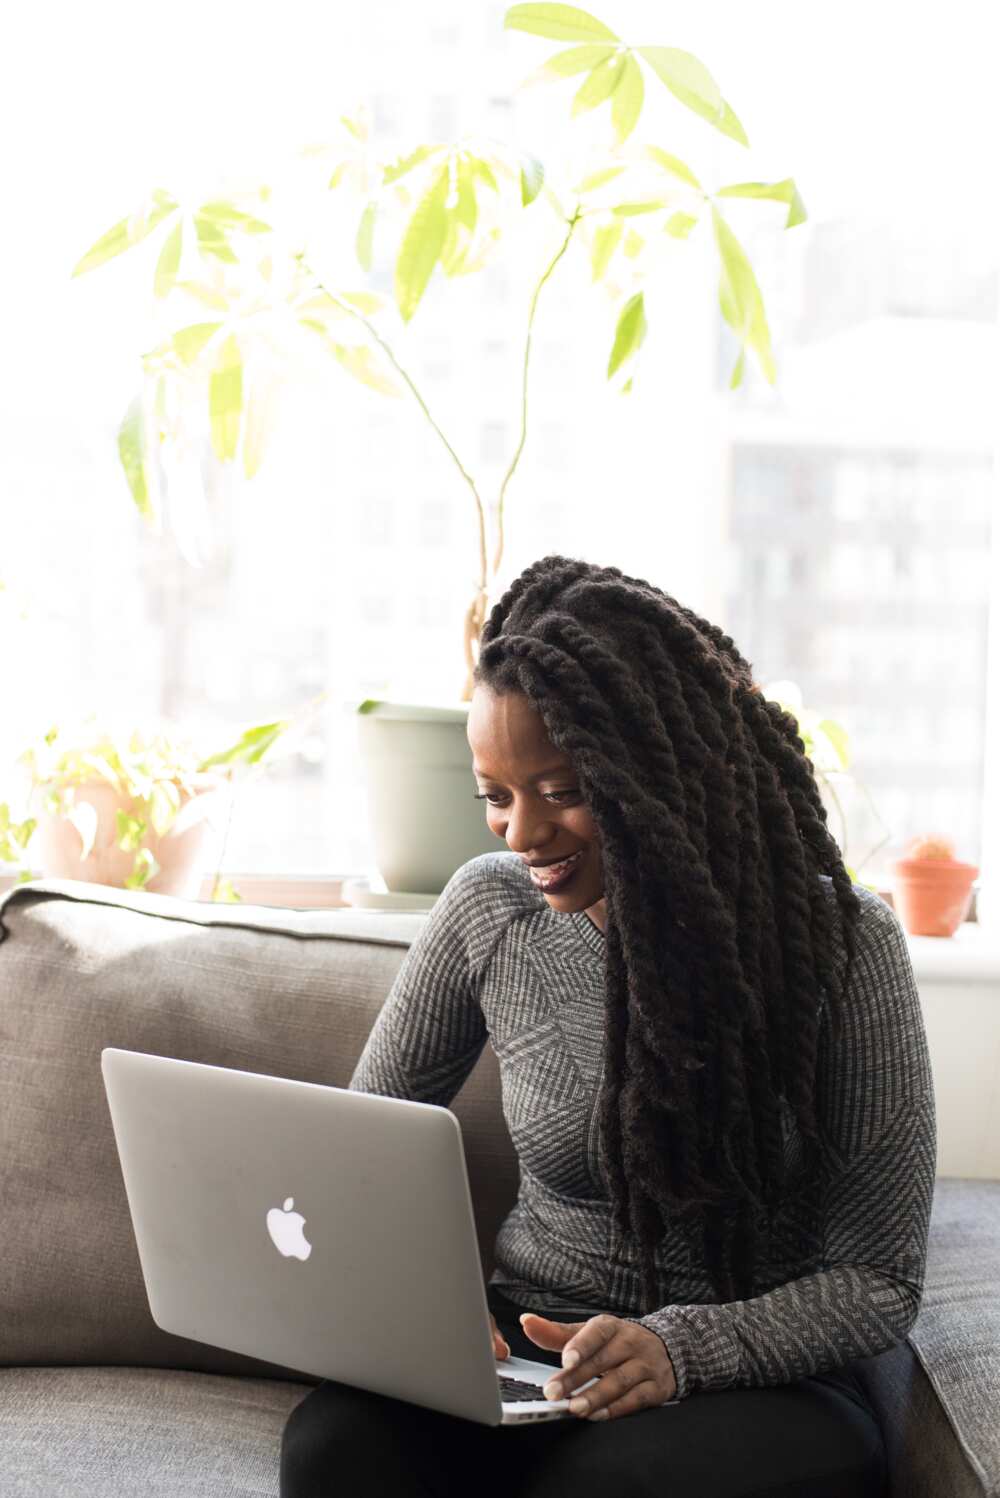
[
  {"x": 875, "y": 1108},
  {"x": 430, "y": 1029}
]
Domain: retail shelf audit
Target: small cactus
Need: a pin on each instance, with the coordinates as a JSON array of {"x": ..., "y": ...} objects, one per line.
[{"x": 931, "y": 847}]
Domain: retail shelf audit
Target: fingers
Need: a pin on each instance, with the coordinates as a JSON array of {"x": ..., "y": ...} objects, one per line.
[
  {"x": 552, "y": 1335},
  {"x": 586, "y": 1355},
  {"x": 641, "y": 1396},
  {"x": 630, "y": 1364},
  {"x": 500, "y": 1347}
]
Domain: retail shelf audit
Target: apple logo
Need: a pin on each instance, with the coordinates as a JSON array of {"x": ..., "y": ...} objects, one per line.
[{"x": 285, "y": 1228}]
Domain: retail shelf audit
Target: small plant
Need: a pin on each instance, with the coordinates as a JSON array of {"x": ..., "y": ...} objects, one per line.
[
  {"x": 828, "y": 747},
  {"x": 930, "y": 848},
  {"x": 154, "y": 773},
  {"x": 932, "y": 889}
]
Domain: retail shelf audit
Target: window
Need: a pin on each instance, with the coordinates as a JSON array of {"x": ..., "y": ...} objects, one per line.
[{"x": 838, "y": 525}]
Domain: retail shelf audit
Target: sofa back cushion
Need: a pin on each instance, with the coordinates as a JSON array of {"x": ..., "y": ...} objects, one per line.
[{"x": 289, "y": 993}]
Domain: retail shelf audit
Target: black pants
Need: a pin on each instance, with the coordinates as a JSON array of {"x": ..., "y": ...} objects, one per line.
[{"x": 817, "y": 1438}]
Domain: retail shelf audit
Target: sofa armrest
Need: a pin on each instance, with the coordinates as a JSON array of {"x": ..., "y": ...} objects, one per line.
[{"x": 938, "y": 1393}]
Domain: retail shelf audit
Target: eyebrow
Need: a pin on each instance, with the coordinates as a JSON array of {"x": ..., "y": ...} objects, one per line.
[{"x": 552, "y": 770}]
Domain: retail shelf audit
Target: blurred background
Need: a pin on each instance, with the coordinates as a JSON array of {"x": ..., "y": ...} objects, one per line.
[{"x": 840, "y": 524}]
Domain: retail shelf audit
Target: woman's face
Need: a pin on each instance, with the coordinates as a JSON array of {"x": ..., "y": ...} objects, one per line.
[{"x": 533, "y": 799}]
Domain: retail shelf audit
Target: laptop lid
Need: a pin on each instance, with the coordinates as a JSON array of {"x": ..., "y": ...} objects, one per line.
[{"x": 327, "y": 1231}]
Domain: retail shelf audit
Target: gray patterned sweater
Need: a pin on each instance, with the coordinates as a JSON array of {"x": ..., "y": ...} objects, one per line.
[{"x": 843, "y": 1274}]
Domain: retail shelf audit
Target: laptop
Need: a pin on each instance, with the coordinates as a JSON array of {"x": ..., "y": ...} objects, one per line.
[{"x": 326, "y": 1231}]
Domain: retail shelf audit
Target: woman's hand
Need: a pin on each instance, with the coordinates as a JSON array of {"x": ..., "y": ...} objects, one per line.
[
  {"x": 630, "y": 1362},
  {"x": 500, "y": 1347}
]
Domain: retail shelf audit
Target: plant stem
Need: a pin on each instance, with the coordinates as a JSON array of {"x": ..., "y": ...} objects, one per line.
[
  {"x": 476, "y": 612},
  {"x": 840, "y": 811},
  {"x": 572, "y": 223},
  {"x": 377, "y": 337},
  {"x": 225, "y": 839}
]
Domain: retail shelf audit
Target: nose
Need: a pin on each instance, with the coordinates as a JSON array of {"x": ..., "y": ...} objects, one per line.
[{"x": 528, "y": 831}]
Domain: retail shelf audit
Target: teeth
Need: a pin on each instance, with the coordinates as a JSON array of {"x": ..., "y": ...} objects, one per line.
[{"x": 554, "y": 871}]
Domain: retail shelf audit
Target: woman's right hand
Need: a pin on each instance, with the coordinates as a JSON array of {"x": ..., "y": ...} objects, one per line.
[{"x": 500, "y": 1347}]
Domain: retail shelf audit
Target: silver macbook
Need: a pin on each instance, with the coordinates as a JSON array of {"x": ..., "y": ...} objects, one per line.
[{"x": 329, "y": 1232}]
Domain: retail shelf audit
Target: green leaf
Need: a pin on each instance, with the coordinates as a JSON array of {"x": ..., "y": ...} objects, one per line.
[
  {"x": 144, "y": 869},
  {"x": 452, "y": 257},
  {"x": 190, "y": 341},
  {"x": 598, "y": 179},
  {"x": 132, "y": 453},
  {"x": 779, "y": 192},
  {"x": 83, "y": 817},
  {"x": 687, "y": 78},
  {"x": 207, "y": 295},
  {"x": 227, "y": 213},
  {"x": 169, "y": 262},
  {"x": 573, "y": 60},
  {"x": 404, "y": 164},
  {"x": 630, "y": 210},
  {"x": 673, "y": 165},
  {"x": 563, "y": 23},
  {"x": 365, "y": 236},
  {"x": 839, "y": 740},
  {"x": 633, "y": 243},
  {"x": 421, "y": 247},
  {"x": 164, "y": 804},
  {"x": 359, "y": 361},
  {"x": 730, "y": 125},
  {"x": 357, "y": 127},
  {"x": 225, "y": 399},
  {"x": 736, "y": 378},
  {"x": 605, "y": 243},
  {"x": 599, "y": 85},
  {"x": 629, "y": 333},
  {"x": 369, "y": 705},
  {"x": 258, "y": 422},
  {"x": 484, "y": 171},
  {"x": 130, "y": 831},
  {"x": 691, "y": 82},
  {"x": 532, "y": 177},
  {"x": 466, "y": 210},
  {"x": 127, "y": 232},
  {"x": 212, "y": 240},
  {"x": 250, "y": 748},
  {"x": 626, "y": 105},
  {"x": 223, "y": 892},
  {"x": 740, "y": 298},
  {"x": 680, "y": 225},
  {"x": 365, "y": 301}
]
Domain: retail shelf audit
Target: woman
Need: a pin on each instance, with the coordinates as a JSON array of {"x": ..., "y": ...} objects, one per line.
[{"x": 714, "y": 1073}]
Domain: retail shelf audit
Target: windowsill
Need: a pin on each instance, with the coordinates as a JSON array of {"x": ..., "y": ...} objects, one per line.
[
  {"x": 286, "y": 891},
  {"x": 972, "y": 955}
]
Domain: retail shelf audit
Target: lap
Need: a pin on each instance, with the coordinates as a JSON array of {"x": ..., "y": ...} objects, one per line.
[{"x": 812, "y": 1439}]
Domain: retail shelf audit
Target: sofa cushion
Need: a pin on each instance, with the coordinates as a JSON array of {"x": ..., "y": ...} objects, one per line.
[
  {"x": 119, "y": 1432},
  {"x": 289, "y": 993},
  {"x": 957, "y": 1333},
  {"x": 925, "y": 1459}
]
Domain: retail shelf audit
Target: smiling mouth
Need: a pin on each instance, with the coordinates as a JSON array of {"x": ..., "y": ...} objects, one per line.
[{"x": 551, "y": 874}]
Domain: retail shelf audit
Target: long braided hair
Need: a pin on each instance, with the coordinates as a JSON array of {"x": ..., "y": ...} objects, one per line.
[{"x": 721, "y": 944}]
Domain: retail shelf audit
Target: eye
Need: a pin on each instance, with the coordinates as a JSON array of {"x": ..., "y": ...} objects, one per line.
[{"x": 494, "y": 798}]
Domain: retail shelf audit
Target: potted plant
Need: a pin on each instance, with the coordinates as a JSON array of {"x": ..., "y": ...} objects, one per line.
[
  {"x": 140, "y": 810},
  {"x": 239, "y": 280},
  {"x": 933, "y": 888},
  {"x": 828, "y": 748}
]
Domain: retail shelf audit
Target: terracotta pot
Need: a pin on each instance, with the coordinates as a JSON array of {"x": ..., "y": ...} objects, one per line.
[
  {"x": 932, "y": 895},
  {"x": 184, "y": 854}
]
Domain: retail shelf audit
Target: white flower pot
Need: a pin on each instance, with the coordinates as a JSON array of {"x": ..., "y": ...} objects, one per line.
[{"x": 424, "y": 819}]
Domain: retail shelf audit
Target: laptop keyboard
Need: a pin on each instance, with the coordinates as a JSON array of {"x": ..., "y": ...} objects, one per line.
[{"x": 512, "y": 1389}]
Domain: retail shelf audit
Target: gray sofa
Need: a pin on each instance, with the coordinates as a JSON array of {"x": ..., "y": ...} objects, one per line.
[{"x": 96, "y": 1399}]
